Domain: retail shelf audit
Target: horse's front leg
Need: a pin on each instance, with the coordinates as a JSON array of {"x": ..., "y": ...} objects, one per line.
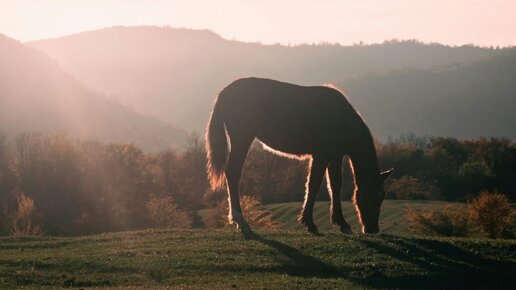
[
  {"x": 335, "y": 182},
  {"x": 318, "y": 166}
]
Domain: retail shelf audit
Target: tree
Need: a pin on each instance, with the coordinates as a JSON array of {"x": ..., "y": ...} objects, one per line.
[
  {"x": 8, "y": 181},
  {"x": 128, "y": 183},
  {"x": 409, "y": 187},
  {"x": 271, "y": 177},
  {"x": 49, "y": 170},
  {"x": 193, "y": 181}
]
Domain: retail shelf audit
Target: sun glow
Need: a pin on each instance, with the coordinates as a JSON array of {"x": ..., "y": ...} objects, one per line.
[{"x": 288, "y": 22}]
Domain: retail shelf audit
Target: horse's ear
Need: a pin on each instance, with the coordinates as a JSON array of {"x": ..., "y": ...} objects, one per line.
[{"x": 385, "y": 174}]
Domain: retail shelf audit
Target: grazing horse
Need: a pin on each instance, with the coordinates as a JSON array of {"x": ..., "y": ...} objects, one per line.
[{"x": 299, "y": 121}]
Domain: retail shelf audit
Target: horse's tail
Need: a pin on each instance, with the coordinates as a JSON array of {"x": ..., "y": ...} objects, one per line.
[{"x": 216, "y": 148}]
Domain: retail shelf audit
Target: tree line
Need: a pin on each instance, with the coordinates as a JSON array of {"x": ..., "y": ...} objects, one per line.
[{"x": 57, "y": 185}]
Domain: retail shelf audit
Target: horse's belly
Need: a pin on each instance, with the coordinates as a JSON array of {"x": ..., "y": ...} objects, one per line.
[
  {"x": 298, "y": 143},
  {"x": 302, "y": 136}
]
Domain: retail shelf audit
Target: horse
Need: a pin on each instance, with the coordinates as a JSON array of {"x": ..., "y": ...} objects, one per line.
[{"x": 315, "y": 122}]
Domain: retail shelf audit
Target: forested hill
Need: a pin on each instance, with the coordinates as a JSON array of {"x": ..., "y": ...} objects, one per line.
[
  {"x": 174, "y": 74},
  {"x": 37, "y": 96},
  {"x": 463, "y": 101}
]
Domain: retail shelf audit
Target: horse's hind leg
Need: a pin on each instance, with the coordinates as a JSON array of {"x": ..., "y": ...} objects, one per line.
[
  {"x": 317, "y": 168},
  {"x": 335, "y": 182},
  {"x": 237, "y": 156}
]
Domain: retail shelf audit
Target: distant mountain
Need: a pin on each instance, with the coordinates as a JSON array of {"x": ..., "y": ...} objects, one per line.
[
  {"x": 464, "y": 101},
  {"x": 37, "y": 96},
  {"x": 175, "y": 73}
]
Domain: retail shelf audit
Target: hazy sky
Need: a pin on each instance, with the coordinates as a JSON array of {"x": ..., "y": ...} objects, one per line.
[{"x": 482, "y": 22}]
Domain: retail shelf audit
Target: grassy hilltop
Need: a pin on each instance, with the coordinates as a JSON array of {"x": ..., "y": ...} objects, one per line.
[
  {"x": 392, "y": 215},
  {"x": 285, "y": 259}
]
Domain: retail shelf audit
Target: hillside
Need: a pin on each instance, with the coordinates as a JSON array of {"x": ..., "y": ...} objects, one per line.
[
  {"x": 223, "y": 259},
  {"x": 392, "y": 215},
  {"x": 175, "y": 73},
  {"x": 37, "y": 96},
  {"x": 462, "y": 101}
]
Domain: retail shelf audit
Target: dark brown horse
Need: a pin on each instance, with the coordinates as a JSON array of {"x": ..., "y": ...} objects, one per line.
[{"x": 316, "y": 122}]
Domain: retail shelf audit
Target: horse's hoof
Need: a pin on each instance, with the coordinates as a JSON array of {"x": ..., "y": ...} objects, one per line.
[
  {"x": 246, "y": 231},
  {"x": 310, "y": 227},
  {"x": 313, "y": 230}
]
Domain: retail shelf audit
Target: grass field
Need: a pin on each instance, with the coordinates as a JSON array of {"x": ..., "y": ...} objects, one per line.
[
  {"x": 284, "y": 259},
  {"x": 288, "y": 258},
  {"x": 392, "y": 216}
]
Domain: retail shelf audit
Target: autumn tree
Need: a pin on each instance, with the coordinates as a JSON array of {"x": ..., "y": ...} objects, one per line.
[{"x": 49, "y": 172}]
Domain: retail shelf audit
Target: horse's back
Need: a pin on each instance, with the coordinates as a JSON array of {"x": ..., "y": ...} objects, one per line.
[{"x": 287, "y": 117}]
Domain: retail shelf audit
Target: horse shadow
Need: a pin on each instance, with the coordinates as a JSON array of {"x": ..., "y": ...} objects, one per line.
[
  {"x": 438, "y": 265},
  {"x": 298, "y": 263},
  {"x": 447, "y": 266}
]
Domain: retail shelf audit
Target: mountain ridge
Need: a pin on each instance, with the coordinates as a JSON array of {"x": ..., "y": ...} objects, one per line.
[
  {"x": 175, "y": 74},
  {"x": 36, "y": 95}
]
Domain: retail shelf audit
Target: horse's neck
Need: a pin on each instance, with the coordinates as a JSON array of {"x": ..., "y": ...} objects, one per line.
[
  {"x": 365, "y": 168},
  {"x": 363, "y": 157}
]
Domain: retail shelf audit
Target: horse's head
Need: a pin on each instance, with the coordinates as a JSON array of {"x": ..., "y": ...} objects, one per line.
[{"x": 368, "y": 201}]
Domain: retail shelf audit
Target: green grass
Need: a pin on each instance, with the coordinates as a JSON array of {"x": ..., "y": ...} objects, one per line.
[
  {"x": 284, "y": 259},
  {"x": 392, "y": 215}
]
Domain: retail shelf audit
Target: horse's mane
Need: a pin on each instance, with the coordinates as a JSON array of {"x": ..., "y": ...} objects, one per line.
[{"x": 334, "y": 87}]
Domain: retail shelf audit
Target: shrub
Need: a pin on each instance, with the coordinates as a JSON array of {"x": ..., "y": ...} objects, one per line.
[
  {"x": 491, "y": 214},
  {"x": 24, "y": 220},
  {"x": 452, "y": 221},
  {"x": 255, "y": 214},
  {"x": 163, "y": 213},
  {"x": 252, "y": 207},
  {"x": 216, "y": 217}
]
